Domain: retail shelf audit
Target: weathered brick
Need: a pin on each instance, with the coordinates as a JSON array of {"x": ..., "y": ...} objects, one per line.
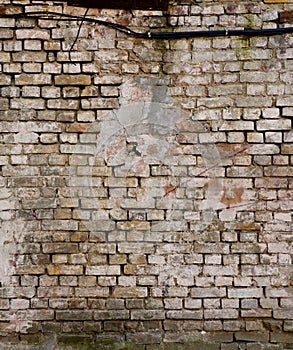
[
  {"x": 245, "y": 293},
  {"x": 65, "y": 270},
  {"x": 29, "y": 56},
  {"x": 258, "y": 77},
  {"x": 59, "y": 225},
  {"x": 210, "y": 292},
  {"x": 220, "y": 270},
  {"x": 100, "y": 103},
  {"x": 147, "y": 315},
  {"x": 92, "y": 292},
  {"x": 130, "y": 292},
  {"x": 252, "y": 336},
  {"x": 63, "y": 104},
  {"x": 103, "y": 270},
  {"x": 36, "y": 315},
  {"x": 221, "y": 314},
  {"x": 60, "y": 248},
  {"x": 73, "y": 80},
  {"x": 281, "y": 337},
  {"x": 80, "y": 315},
  {"x": 27, "y": 103}
]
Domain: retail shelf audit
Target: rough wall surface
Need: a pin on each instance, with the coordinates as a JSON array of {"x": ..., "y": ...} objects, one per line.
[{"x": 146, "y": 185}]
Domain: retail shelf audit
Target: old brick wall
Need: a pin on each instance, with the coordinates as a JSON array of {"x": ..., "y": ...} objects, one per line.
[{"x": 146, "y": 185}]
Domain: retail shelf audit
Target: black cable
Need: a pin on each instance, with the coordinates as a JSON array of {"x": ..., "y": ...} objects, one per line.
[
  {"x": 45, "y": 15},
  {"x": 216, "y": 33},
  {"x": 78, "y": 32}
]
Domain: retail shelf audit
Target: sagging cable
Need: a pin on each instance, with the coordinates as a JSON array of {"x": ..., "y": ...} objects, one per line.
[{"x": 49, "y": 15}]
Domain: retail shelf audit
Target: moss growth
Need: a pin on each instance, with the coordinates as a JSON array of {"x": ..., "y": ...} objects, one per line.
[
  {"x": 75, "y": 342},
  {"x": 32, "y": 339},
  {"x": 250, "y": 21},
  {"x": 243, "y": 51},
  {"x": 86, "y": 343},
  {"x": 185, "y": 346}
]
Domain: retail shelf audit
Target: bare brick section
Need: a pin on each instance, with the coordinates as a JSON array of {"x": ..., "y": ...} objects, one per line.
[
  {"x": 286, "y": 17},
  {"x": 146, "y": 185},
  {"x": 72, "y": 80}
]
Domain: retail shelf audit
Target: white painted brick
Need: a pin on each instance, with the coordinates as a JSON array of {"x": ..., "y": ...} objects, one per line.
[{"x": 103, "y": 270}]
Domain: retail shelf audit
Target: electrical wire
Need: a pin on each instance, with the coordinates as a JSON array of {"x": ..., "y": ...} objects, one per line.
[
  {"x": 79, "y": 29},
  {"x": 49, "y": 15}
]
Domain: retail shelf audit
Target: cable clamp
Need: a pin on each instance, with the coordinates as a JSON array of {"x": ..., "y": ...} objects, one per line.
[
  {"x": 149, "y": 34},
  {"x": 226, "y": 33}
]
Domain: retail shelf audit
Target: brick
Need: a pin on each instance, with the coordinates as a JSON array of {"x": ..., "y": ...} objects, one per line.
[
  {"x": 279, "y": 247},
  {"x": 7, "y": 22},
  {"x": 184, "y": 315},
  {"x": 278, "y": 171},
  {"x": 103, "y": 270},
  {"x": 72, "y": 80},
  {"x": 147, "y": 315},
  {"x": 27, "y": 103},
  {"x": 232, "y": 325},
  {"x": 221, "y": 314},
  {"x": 282, "y": 337},
  {"x": 63, "y": 104},
  {"x": 36, "y": 315},
  {"x": 54, "y": 291},
  {"x": 5, "y": 79},
  {"x": 134, "y": 225},
  {"x": 279, "y": 292},
  {"x": 245, "y": 293},
  {"x": 130, "y": 292},
  {"x": 214, "y": 102},
  {"x": 250, "y": 101},
  {"x": 220, "y": 271},
  {"x": 59, "y": 225},
  {"x": 237, "y": 125},
  {"x": 288, "y": 326},
  {"x": 145, "y": 338},
  {"x": 271, "y": 183},
  {"x": 287, "y": 149},
  {"x": 29, "y": 56},
  {"x": 252, "y": 336},
  {"x": 258, "y": 77},
  {"x": 65, "y": 270},
  {"x": 146, "y": 248},
  {"x": 256, "y": 313},
  {"x": 210, "y": 292},
  {"x": 60, "y": 248},
  {"x": 92, "y": 292},
  {"x": 273, "y": 124},
  {"x": 241, "y": 171},
  {"x": 248, "y": 247},
  {"x": 74, "y": 315}
]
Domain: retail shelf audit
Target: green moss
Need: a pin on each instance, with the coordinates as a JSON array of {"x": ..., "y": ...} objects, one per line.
[
  {"x": 245, "y": 43},
  {"x": 250, "y": 21},
  {"x": 75, "y": 342},
  {"x": 86, "y": 343},
  {"x": 32, "y": 339},
  {"x": 243, "y": 50},
  {"x": 185, "y": 346}
]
